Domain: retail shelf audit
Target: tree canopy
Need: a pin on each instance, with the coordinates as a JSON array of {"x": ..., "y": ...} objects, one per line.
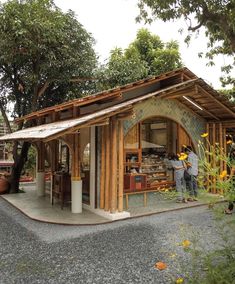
[
  {"x": 42, "y": 51},
  {"x": 216, "y": 16},
  {"x": 46, "y": 57},
  {"x": 146, "y": 56}
]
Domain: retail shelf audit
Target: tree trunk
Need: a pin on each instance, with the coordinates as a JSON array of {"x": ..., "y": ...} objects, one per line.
[
  {"x": 18, "y": 166},
  {"x": 6, "y": 120}
]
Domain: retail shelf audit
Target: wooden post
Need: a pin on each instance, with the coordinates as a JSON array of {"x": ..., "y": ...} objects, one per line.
[
  {"x": 221, "y": 150},
  {"x": 225, "y": 147},
  {"x": 221, "y": 145},
  {"x": 213, "y": 161},
  {"x": 113, "y": 195},
  {"x": 107, "y": 168},
  {"x": 207, "y": 155},
  {"x": 40, "y": 170},
  {"x": 76, "y": 181},
  {"x": 102, "y": 172},
  {"x": 120, "y": 166},
  {"x": 41, "y": 157},
  {"x": 76, "y": 168}
]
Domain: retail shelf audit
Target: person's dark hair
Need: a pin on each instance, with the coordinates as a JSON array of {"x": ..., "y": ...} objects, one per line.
[
  {"x": 173, "y": 156},
  {"x": 189, "y": 149}
]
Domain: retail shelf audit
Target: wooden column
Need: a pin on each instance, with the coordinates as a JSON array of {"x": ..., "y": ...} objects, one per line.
[
  {"x": 76, "y": 161},
  {"x": 225, "y": 147},
  {"x": 107, "y": 168},
  {"x": 113, "y": 183},
  {"x": 214, "y": 161},
  {"x": 221, "y": 145},
  {"x": 40, "y": 171},
  {"x": 41, "y": 157},
  {"x": 54, "y": 155},
  {"x": 207, "y": 155},
  {"x": 102, "y": 171},
  {"x": 73, "y": 141},
  {"x": 120, "y": 165}
]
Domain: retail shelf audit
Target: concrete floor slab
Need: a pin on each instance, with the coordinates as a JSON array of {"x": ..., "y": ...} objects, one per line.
[{"x": 40, "y": 208}]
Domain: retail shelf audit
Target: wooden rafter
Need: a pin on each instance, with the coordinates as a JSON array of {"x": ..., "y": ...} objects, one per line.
[
  {"x": 109, "y": 94},
  {"x": 218, "y": 101}
]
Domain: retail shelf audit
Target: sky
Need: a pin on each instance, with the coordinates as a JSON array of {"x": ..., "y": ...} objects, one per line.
[{"x": 112, "y": 24}]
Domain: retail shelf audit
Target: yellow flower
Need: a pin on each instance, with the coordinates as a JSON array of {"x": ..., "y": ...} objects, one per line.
[
  {"x": 183, "y": 157},
  {"x": 186, "y": 243},
  {"x": 204, "y": 135},
  {"x": 173, "y": 255},
  {"x": 160, "y": 265},
  {"x": 229, "y": 141},
  {"x": 223, "y": 174},
  {"x": 179, "y": 281}
]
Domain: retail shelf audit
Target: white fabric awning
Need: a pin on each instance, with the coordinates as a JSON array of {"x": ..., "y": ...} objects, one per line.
[{"x": 45, "y": 131}]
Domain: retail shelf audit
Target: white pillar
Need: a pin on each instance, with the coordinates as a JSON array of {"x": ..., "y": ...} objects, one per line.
[
  {"x": 76, "y": 194},
  {"x": 40, "y": 183}
]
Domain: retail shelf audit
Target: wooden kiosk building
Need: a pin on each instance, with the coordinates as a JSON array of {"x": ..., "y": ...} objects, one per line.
[{"x": 113, "y": 143}]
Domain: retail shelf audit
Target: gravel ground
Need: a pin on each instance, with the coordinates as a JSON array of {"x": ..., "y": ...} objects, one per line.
[{"x": 120, "y": 252}]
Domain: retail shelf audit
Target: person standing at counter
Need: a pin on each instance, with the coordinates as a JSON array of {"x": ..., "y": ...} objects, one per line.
[
  {"x": 179, "y": 167},
  {"x": 192, "y": 168}
]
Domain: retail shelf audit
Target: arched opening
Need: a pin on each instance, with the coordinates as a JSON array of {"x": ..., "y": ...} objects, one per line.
[{"x": 146, "y": 149}]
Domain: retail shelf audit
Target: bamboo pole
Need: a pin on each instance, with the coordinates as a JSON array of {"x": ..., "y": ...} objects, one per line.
[
  {"x": 221, "y": 145},
  {"x": 113, "y": 183},
  {"x": 225, "y": 147},
  {"x": 102, "y": 172},
  {"x": 214, "y": 161},
  {"x": 107, "y": 168},
  {"x": 41, "y": 157},
  {"x": 221, "y": 150},
  {"x": 207, "y": 154},
  {"x": 76, "y": 170},
  {"x": 120, "y": 166}
]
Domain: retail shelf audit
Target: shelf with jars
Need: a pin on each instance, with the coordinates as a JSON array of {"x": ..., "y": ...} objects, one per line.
[{"x": 154, "y": 167}]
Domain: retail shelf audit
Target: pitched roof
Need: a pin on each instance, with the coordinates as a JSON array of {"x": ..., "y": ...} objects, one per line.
[{"x": 181, "y": 85}]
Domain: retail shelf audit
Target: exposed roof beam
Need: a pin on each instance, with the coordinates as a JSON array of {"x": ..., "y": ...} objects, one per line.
[{"x": 215, "y": 99}]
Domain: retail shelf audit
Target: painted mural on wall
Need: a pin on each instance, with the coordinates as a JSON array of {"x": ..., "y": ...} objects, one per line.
[{"x": 193, "y": 124}]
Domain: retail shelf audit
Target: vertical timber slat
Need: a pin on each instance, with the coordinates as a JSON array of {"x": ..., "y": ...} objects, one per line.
[
  {"x": 120, "y": 166},
  {"x": 107, "y": 168},
  {"x": 221, "y": 145},
  {"x": 113, "y": 183},
  {"x": 102, "y": 172},
  {"x": 76, "y": 172},
  {"x": 207, "y": 155},
  {"x": 225, "y": 147},
  {"x": 213, "y": 157}
]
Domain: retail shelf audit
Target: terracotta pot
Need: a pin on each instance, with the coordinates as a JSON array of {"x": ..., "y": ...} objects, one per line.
[{"x": 4, "y": 184}]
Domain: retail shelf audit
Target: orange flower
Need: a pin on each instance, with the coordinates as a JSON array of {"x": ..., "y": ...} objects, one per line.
[
  {"x": 229, "y": 141},
  {"x": 160, "y": 265},
  {"x": 186, "y": 243},
  {"x": 179, "y": 281},
  {"x": 204, "y": 135},
  {"x": 223, "y": 174}
]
